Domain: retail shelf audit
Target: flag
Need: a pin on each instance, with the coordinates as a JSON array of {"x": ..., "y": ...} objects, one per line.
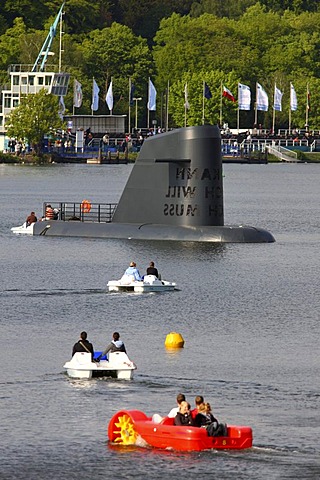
[
  {"x": 277, "y": 99},
  {"x": 152, "y": 96},
  {"x": 62, "y": 107},
  {"x": 207, "y": 93},
  {"x": 244, "y": 97},
  {"x": 262, "y": 99},
  {"x": 132, "y": 90},
  {"x": 109, "y": 97},
  {"x": 293, "y": 98},
  {"x": 95, "y": 96},
  {"x": 226, "y": 93},
  {"x": 308, "y": 98},
  {"x": 77, "y": 94},
  {"x": 186, "y": 103}
]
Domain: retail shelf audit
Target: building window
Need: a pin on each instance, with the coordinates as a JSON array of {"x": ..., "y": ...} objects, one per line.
[
  {"x": 7, "y": 101},
  {"x": 40, "y": 80},
  {"x": 24, "y": 81},
  {"x": 48, "y": 80},
  {"x": 15, "y": 80},
  {"x": 31, "y": 80}
]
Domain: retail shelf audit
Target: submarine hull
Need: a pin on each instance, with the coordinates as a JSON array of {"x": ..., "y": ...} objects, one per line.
[{"x": 218, "y": 234}]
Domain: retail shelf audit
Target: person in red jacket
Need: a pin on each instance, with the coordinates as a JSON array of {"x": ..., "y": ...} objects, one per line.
[{"x": 49, "y": 213}]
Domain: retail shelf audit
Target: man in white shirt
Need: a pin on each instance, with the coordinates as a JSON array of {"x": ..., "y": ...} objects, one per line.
[{"x": 173, "y": 412}]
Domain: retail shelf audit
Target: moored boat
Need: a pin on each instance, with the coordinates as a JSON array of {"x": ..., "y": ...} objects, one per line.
[
  {"x": 150, "y": 283},
  {"x": 129, "y": 427},
  {"x": 117, "y": 365}
]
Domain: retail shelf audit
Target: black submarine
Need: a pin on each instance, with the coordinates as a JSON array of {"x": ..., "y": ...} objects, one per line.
[{"x": 174, "y": 192}]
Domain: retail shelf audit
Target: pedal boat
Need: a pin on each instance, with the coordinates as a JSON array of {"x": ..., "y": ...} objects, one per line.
[
  {"x": 23, "y": 229},
  {"x": 128, "y": 427},
  {"x": 150, "y": 283},
  {"x": 117, "y": 365}
]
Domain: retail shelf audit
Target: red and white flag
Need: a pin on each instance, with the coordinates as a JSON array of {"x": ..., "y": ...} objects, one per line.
[{"x": 226, "y": 93}]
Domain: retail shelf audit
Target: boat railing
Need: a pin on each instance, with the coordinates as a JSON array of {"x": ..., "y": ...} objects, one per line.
[{"x": 84, "y": 211}]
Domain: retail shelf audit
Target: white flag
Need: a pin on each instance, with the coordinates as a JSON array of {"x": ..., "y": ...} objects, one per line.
[
  {"x": 109, "y": 97},
  {"x": 62, "y": 107},
  {"x": 262, "y": 99},
  {"x": 277, "y": 99},
  {"x": 95, "y": 96},
  {"x": 77, "y": 94},
  {"x": 244, "y": 97},
  {"x": 293, "y": 98},
  {"x": 151, "y": 105},
  {"x": 186, "y": 103}
]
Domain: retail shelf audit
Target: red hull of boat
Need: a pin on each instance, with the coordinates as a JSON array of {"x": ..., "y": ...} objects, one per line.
[{"x": 126, "y": 425}]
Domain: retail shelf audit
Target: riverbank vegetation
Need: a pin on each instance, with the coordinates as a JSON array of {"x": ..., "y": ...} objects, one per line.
[{"x": 177, "y": 42}]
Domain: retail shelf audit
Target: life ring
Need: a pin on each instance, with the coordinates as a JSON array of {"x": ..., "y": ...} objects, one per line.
[{"x": 85, "y": 206}]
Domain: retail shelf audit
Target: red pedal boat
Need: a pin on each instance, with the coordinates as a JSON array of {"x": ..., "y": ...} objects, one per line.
[{"x": 126, "y": 426}]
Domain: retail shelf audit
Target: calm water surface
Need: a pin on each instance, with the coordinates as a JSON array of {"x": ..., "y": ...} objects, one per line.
[{"x": 249, "y": 315}]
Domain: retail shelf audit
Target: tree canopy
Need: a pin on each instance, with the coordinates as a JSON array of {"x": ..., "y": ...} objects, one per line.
[
  {"x": 176, "y": 41},
  {"x": 36, "y": 116}
]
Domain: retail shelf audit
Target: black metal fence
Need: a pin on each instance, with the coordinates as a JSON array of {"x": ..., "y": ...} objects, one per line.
[{"x": 84, "y": 211}]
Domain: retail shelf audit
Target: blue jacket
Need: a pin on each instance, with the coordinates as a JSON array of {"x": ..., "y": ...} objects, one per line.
[{"x": 134, "y": 272}]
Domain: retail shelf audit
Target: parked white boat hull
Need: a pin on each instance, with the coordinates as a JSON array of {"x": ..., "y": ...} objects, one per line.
[
  {"x": 150, "y": 283},
  {"x": 118, "y": 366},
  {"x": 23, "y": 229}
]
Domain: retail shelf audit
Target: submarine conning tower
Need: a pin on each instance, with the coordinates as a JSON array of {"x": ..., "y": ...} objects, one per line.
[{"x": 176, "y": 180}]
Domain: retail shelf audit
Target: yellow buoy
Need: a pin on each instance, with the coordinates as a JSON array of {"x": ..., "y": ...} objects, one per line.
[{"x": 174, "y": 340}]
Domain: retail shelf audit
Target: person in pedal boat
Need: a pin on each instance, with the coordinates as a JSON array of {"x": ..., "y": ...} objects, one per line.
[
  {"x": 116, "y": 345},
  {"x": 133, "y": 272},
  {"x": 184, "y": 416},
  {"x": 31, "y": 219},
  {"x": 83, "y": 345},
  {"x": 151, "y": 270}
]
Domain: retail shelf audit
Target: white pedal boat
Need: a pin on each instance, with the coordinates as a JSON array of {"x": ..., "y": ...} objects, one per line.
[
  {"x": 23, "y": 229},
  {"x": 118, "y": 365},
  {"x": 150, "y": 283}
]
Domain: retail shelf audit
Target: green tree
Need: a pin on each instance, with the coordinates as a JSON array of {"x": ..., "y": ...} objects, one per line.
[
  {"x": 115, "y": 52},
  {"x": 10, "y": 43},
  {"x": 36, "y": 116},
  {"x": 221, "y": 8}
]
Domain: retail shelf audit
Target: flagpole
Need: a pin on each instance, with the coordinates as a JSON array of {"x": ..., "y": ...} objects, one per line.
[
  {"x": 274, "y": 110},
  {"x": 167, "y": 109},
  {"x": 256, "y": 109},
  {"x": 74, "y": 89},
  {"x": 185, "y": 108},
  {"x": 92, "y": 96},
  {"x": 129, "y": 113},
  {"x": 290, "y": 109},
  {"x": 238, "y": 110},
  {"x": 148, "y": 111},
  {"x": 185, "y": 103},
  {"x": 221, "y": 105},
  {"x": 289, "y": 119},
  {"x": 307, "y": 108},
  {"x": 203, "y": 92}
]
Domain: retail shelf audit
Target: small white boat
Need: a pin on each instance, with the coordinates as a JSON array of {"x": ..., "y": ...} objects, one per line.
[
  {"x": 150, "y": 283},
  {"x": 118, "y": 365},
  {"x": 23, "y": 229}
]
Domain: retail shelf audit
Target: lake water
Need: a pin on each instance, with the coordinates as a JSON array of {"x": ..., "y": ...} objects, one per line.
[{"x": 249, "y": 314}]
